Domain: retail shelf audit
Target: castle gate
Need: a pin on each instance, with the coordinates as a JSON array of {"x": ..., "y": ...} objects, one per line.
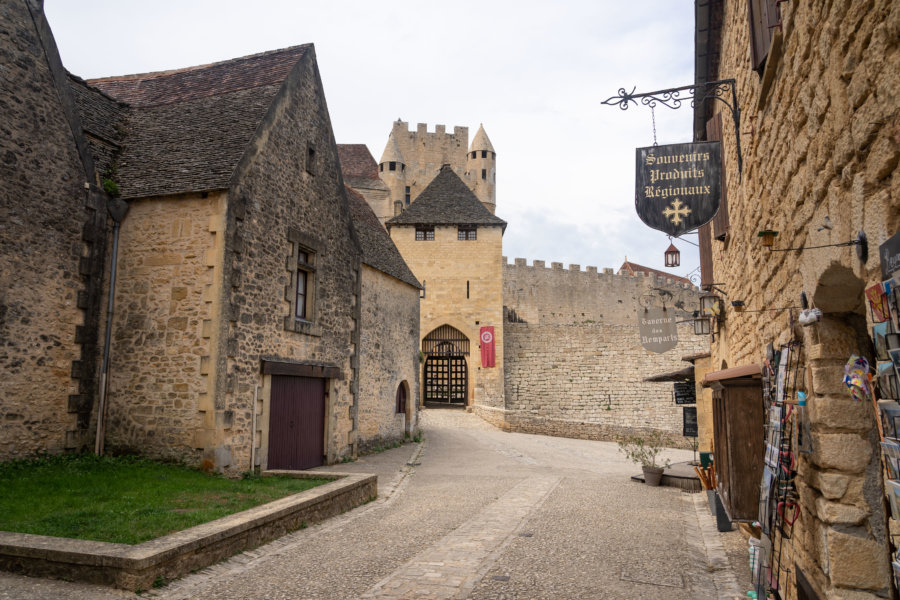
[{"x": 446, "y": 371}]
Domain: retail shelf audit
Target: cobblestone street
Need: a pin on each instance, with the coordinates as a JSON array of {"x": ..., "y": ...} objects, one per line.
[{"x": 474, "y": 512}]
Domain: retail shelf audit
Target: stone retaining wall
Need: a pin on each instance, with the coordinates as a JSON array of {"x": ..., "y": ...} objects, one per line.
[{"x": 137, "y": 567}]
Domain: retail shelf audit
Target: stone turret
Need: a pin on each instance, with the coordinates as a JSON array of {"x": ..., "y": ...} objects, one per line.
[
  {"x": 392, "y": 169},
  {"x": 481, "y": 169}
]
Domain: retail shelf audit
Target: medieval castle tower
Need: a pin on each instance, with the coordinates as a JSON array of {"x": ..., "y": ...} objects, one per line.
[{"x": 567, "y": 357}]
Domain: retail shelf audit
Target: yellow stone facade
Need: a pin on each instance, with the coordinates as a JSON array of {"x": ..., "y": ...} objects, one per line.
[
  {"x": 820, "y": 137},
  {"x": 463, "y": 288}
]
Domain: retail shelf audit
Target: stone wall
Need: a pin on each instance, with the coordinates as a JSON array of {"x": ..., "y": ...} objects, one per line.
[
  {"x": 574, "y": 362},
  {"x": 388, "y": 358},
  {"x": 820, "y": 137},
  {"x": 52, "y": 239},
  {"x": 170, "y": 258},
  {"x": 463, "y": 288},
  {"x": 280, "y": 203}
]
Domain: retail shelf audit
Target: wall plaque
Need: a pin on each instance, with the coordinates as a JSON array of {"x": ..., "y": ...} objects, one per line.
[
  {"x": 689, "y": 416},
  {"x": 685, "y": 392},
  {"x": 678, "y": 186},
  {"x": 657, "y": 329}
]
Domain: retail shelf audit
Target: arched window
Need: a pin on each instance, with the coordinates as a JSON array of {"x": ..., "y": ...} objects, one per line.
[{"x": 401, "y": 398}]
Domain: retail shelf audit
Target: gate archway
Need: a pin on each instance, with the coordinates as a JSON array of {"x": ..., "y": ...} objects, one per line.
[{"x": 446, "y": 371}]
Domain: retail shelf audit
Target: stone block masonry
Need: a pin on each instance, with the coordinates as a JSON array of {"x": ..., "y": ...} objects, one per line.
[{"x": 574, "y": 365}]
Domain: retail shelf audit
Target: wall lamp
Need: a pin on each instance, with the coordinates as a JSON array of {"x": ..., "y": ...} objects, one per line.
[
  {"x": 700, "y": 322},
  {"x": 767, "y": 239}
]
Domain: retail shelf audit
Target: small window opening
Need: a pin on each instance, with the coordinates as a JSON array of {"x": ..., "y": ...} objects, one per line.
[
  {"x": 463, "y": 234},
  {"x": 407, "y": 195},
  {"x": 392, "y": 166},
  {"x": 484, "y": 173},
  {"x": 467, "y": 290},
  {"x": 484, "y": 154},
  {"x": 311, "y": 159},
  {"x": 425, "y": 234}
]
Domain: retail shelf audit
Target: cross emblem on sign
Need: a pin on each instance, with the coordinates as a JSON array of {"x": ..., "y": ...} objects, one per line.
[{"x": 677, "y": 212}]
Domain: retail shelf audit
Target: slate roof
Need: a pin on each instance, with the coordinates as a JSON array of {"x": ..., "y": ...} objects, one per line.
[
  {"x": 358, "y": 167},
  {"x": 187, "y": 129},
  {"x": 378, "y": 251},
  {"x": 447, "y": 201},
  {"x": 103, "y": 120}
]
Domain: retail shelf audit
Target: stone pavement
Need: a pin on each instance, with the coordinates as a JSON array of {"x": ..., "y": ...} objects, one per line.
[{"x": 474, "y": 512}]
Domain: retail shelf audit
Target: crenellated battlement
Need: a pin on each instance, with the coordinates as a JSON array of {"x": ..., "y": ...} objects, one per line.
[
  {"x": 541, "y": 266},
  {"x": 542, "y": 294}
]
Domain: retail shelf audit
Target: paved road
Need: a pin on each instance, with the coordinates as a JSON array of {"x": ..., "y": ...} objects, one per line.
[{"x": 474, "y": 512}]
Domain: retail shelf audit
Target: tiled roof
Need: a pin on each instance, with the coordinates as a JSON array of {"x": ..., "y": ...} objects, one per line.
[
  {"x": 203, "y": 81},
  {"x": 104, "y": 122},
  {"x": 187, "y": 129},
  {"x": 357, "y": 161},
  {"x": 378, "y": 251},
  {"x": 630, "y": 267},
  {"x": 447, "y": 201}
]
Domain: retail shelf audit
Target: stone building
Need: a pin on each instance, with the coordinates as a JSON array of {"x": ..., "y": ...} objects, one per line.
[
  {"x": 818, "y": 86},
  {"x": 568, "y": 359},
  {"x": 243, "y": 282}
]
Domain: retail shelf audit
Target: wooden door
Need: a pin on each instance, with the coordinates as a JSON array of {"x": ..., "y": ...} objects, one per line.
[
  {"x": 297, "y": 423},
  {"x": 739, "y": 422}
]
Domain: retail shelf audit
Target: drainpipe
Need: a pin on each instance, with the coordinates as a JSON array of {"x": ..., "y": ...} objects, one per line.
[{"x": 117, "y": 210}]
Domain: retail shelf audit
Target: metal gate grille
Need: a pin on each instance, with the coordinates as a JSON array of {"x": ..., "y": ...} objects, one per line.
[{"x": 445, "y": 379}]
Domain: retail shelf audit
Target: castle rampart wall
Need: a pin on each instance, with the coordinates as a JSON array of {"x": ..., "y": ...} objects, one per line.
[{"x": 574, "y": 365}]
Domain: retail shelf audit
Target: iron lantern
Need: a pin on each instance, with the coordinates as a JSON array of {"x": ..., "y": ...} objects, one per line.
[
  {"x": 710, "y": 305},
  {"x": 673, "y": 256},
  {"x": 701, "y": 325}
]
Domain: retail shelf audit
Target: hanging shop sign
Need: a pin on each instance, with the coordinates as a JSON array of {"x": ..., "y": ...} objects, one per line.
[
  {"x": 657, "y": 329},
  {"x": 685, "y": 392},
  {"x": 890, "y": 256},
  {"x": 678, "y": 186},
  {"x": 689, "y": 418}
]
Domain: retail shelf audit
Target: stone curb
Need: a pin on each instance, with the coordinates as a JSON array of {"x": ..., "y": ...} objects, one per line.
[{"x": 137, "y": 567}]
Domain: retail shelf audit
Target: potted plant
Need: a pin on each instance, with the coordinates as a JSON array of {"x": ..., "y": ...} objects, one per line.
[{"x": 644, "y": 450}]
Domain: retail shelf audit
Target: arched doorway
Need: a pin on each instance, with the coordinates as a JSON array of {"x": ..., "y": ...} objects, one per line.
[{"x": 446, "y": 371}]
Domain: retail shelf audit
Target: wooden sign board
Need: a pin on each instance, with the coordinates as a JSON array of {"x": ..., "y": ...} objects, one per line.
[
  {"x": 685, "y": 392},
  {"x": 689, "y": 417},
  {"x": 678, "y": 187},
  {"x": 657, "y": 329}
]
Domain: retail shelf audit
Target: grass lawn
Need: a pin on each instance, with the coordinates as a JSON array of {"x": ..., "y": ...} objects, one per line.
[{"x": 126, "y": 499}]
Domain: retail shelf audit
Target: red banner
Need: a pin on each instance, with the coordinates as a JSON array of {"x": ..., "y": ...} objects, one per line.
[{"x": 487, "y": 347}]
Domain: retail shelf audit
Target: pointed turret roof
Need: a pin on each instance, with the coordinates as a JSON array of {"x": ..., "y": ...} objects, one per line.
[
  {"x": 446, "y": 201},
  {"x": 391, "y": 151},
  {"x": 481, "y": 141}
]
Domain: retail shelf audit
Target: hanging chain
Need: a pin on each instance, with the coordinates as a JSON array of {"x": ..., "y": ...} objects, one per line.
[{"x": 653, "y": 116}]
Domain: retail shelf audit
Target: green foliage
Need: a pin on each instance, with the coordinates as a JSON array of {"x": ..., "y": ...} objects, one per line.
[
  {"x": 159, "y": 582},
  {"x": 126, "y": 499},
  {"x": 111, "y": 187},
  {"x": 418, "y": 437},
  {"x": 643, "y": 449}
]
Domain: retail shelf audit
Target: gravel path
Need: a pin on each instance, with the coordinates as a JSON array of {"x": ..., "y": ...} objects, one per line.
[{"x": 474, "y": 512}]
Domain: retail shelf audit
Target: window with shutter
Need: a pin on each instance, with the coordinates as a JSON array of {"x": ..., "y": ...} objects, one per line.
[
  {"x": 720, "y": 221},
  {"x": 764, "y": 17}
]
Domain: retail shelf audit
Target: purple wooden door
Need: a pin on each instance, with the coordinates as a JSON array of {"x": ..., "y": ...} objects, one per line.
[{"x": 297, "y": 422}]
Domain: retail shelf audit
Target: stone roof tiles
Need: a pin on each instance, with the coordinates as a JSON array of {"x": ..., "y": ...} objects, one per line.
[
  {"x": 187, "y": 129},
  {"x": 391, "y": 151},
  {"x": 378, "y": 250},
  {"x": 357, "y": 162},
  {"x": 192, "y": 83},
  {"x": 630, "y": 267},
  {"x": 447, "y": 201}
]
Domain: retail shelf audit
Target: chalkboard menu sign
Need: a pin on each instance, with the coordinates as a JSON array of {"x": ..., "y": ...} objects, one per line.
[
  {"x": 685, "y": 392},
  {"x": 690, "y": 421}
]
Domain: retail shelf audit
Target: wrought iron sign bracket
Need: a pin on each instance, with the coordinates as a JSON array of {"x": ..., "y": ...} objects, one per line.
[{"x": 722, "y": 90}]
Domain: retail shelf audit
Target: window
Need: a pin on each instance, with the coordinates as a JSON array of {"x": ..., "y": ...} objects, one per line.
[
  {"x": 407, "y": 195},
  {"x": 381, "y": 167},
  {"x": 311, "y": 159},
  {"x": 764, "y": 17},
  {"x": 484, "y": 173},
  {"x": 301, "y": 289},
  {"x": 392, "y": 166},
  {"x": 484, "y": 154},
  {"x": 474, "y": 154},
  {"x": 301, "y": 310},
  {"x": 466, "y": 234},
  {"x": 425, "y": 234}
]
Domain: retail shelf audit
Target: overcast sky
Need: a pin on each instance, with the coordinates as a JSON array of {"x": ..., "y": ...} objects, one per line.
[{"x": 533, "y": 72}]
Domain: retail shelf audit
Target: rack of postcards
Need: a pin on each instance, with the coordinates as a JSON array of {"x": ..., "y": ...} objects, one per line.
[
  {"x": 787, "y": 433},
  {"x": 883, "y": 300}
]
